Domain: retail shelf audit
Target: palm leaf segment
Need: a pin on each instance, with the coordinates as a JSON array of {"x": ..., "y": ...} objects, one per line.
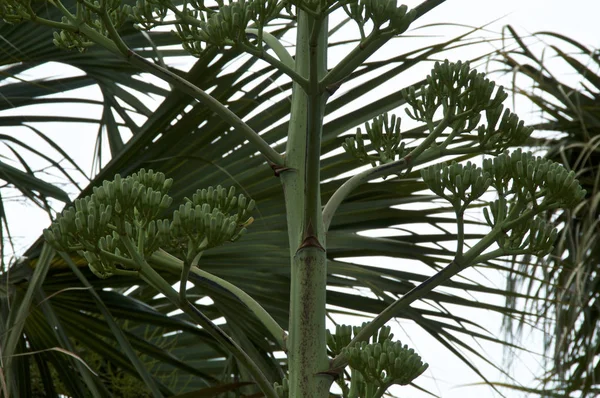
[{"x": 569, "y": 274}]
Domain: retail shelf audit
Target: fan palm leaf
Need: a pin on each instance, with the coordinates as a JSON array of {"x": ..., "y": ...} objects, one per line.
[{"x": 569, "y": 110}]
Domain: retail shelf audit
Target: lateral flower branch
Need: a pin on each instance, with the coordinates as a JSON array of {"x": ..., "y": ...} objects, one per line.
[
  {"x": 118, "y": 231},
  {"x": 525, "y": 185},
  {"x": 121, "y": 228}
]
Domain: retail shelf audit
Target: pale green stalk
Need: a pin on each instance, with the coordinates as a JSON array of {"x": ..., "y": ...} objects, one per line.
[
  {"x": 167, "y": 262},
  {"x": 116, "y": 45},
  {"x": 471, "y": 257},
  {"x": 307, "y": 351},
  {"x": 283, "y": 55},
  {"x": 153, "y": 278},
  {"x": 381, "y": 170}
]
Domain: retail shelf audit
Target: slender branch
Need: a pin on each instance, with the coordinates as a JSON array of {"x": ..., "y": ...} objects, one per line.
[
  {"x": 214, "y": 105},
  {"x": 283, "y": 66},
  {"x": 183, "y": 16},
  {"x": 172, "y": 264},
  {"x": 157, "y": 281},
  {"x": 383, "y": 169},
  {"x": 93, "y": 7},
  {"x": 355, "y": 58},
  {"x": 337, "y": 4},
  {"x": 381, "y": 390},
  {"x": 120, "y": 259},
  {"x": 283, "y": 55},
  {"x": 354, "y": 182},
  {"x": 112, "y": 31},
  {"x": 53, "y": 24},
  {"x": 368, "y": 47},
  {"x": 426, "y": 6},
  {"x": 419, "y": 292}
]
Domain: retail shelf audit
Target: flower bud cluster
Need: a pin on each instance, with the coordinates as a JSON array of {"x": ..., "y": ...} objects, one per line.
[
  {"x": 385, "y": 138},
  {"x": 117, "y": 13},
  {"x": 539, "y": 181},
  {"x": 381, "y": 12},
  {"x": 385, "y": 363},
  {"x": 147, "y": 14},
  {"x": 510, "y": 132},
  {"x": 138, "y": 198},
  {"x": 460, "y": 92},
  {"x": 80, "y": 225},
  {"x": 224, "y": 200},
  {"x": 532, "y": 235},
  {"x": 130, "y": 207},
  {"x": 457, "y": 183},
  {"x": 344, "y": 333},
  {"x": 527, "y": 185},
  {"x": 14, "y": 11},
  {"x": 199, "y": 225},
  {"x": 340, "y": 339},
  {"x": 535, "y": 184},
  {"x": 380, "y": 362},
  {"x": 198, "y": 24},
  {"x": 124, "y": 206}
]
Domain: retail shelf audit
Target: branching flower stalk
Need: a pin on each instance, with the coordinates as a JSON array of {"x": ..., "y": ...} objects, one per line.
[{"x": 119, "y": 229}]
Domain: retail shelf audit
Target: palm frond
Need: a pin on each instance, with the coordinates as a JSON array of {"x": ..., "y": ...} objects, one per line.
[{"x": 569, "y": 113}]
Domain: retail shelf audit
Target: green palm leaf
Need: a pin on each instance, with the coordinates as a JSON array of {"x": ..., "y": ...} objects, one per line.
[{"x": 570, "y": 282}]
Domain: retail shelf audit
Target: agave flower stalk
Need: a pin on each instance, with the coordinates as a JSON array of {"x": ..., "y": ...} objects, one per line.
[{"x": 301, "y": 183}]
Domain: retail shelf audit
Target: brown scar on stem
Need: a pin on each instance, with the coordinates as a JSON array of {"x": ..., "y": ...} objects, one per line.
[
  {"x": 334, "y": 373},
  {"x": 310, "y": 239},
  {"x": 278, "y": 169},
  {"x": 333, "y": 87}
]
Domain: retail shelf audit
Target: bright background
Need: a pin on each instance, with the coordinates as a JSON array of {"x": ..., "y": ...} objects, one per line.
[{"x": 577, "y": 19}]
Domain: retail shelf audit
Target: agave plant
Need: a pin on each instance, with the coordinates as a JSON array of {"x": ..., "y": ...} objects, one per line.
[
  {"x": 188, "y": 141},
  {"x": 569, "y": 110}
]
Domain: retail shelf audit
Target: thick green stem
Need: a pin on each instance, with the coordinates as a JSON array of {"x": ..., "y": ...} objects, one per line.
[{"x": 307, "y": 351}]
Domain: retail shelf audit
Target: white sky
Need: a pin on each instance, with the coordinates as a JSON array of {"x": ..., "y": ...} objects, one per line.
[{"x": 577, "y": 19}]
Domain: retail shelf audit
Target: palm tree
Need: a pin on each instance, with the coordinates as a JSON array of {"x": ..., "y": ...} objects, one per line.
[
  {"x": 569, "y": 110},
  {"x": 126, "y": 335}
]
